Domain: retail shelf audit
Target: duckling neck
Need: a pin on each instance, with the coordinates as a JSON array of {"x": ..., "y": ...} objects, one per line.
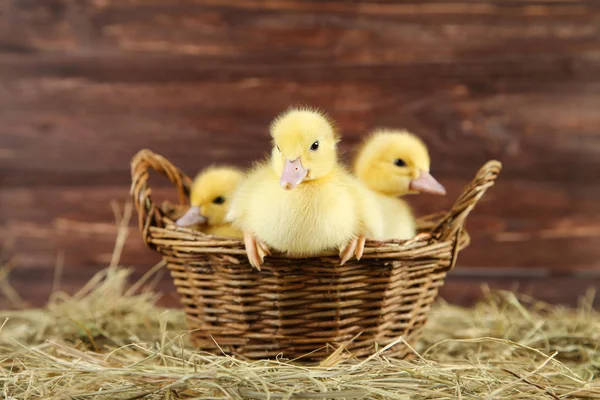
[{"x": 322, "y": 178}]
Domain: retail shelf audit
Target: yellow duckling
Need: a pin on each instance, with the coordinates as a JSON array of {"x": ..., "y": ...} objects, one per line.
[
  {"x": 210, "y": 197},
  {"x": 301, "y": 201},
  {"x": 393, "y": 163}
]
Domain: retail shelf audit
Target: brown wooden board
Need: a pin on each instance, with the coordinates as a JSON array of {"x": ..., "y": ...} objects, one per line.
[{"x": 85, "y": 84}]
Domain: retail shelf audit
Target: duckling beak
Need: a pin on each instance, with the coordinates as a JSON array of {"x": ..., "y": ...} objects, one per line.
[
  {"x": 293, "y": 174},
  {"x": 191, "y": 217},
  {"x": 427, "y": 183}
]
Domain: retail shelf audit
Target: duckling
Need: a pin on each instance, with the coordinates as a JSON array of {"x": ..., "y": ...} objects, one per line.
[
  {"x": 210, "y": 197},
  {"x": 393, "y": 163},
  {"x": 301, "y": 201}
]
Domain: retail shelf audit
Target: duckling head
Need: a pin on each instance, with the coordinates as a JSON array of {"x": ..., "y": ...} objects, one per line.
[
  {"x": 211, "y": 195},
  {"x": 304, "y": 146},
  {"x": 396, "y": 162}
]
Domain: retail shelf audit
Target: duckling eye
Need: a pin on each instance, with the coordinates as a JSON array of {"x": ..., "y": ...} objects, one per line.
[
  {"x": 314, "y": 146},
  {"x": 278, "y": 149},
  {"x": 400, "y": 162},
  {"x": 219, "y": 200}
]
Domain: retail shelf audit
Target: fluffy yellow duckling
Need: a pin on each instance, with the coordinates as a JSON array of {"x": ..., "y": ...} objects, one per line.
[
  {"x": 210, "y": 197},
  {"x": 301, "y": 201},
  {"x": 394, "y": 163}
]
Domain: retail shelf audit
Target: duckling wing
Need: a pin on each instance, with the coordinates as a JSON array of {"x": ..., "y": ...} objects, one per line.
[
  {"x": 369, "y": 209},
  {"x": 398, "y": 217}
]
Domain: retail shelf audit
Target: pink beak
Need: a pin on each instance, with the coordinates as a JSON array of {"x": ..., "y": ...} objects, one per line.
[
  {"x": 427, "y": 183},
  {"x": 293, "y": 174},
  {"x": 191, "y": 217}
]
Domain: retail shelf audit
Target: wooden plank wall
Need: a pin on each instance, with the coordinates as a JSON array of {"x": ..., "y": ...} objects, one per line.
[{"x": 85, "y": 84}]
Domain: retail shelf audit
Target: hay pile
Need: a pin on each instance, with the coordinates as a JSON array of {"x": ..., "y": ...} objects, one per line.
[{"x": 110, "y": 341}]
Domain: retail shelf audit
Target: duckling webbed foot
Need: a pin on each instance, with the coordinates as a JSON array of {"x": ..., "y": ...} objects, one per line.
[
  {"x": 255, "y": 250},
  {"x": 355, "y": 247}
]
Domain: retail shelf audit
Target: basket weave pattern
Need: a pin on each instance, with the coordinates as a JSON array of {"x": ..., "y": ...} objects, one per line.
[{"x": 297, "y": 306}]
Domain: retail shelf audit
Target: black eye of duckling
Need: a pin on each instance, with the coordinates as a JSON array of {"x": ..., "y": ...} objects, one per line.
[
  {"x": 219, "y": 200},
  {"x": 400, "y": 162},
  {"x": 314, "y": 146},
  {"x": 278, "y": 149}
]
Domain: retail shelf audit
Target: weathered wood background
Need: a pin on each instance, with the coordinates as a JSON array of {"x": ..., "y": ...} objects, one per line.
[{"x": 85, "y": 84}]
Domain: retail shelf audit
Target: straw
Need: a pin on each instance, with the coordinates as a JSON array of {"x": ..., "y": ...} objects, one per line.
[{"x": 111, "y": 341}]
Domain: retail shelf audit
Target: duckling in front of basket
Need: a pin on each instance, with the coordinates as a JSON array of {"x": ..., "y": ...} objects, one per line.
[
  {"x": 394, "y": 163},
  {"x": 210, "y": 197},
  {"x": 301, "y": 201}
]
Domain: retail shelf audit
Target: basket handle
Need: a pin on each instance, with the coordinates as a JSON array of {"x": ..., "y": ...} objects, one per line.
[
  {"x": 148, "y": 213},
  {"x": 454, "y": 220}
]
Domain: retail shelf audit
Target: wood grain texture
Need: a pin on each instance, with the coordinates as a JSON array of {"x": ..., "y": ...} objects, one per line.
[{"x": 85, "y": 84}]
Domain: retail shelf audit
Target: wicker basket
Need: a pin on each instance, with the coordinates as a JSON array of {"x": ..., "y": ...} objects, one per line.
[{"x": 297, "y": 306}]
